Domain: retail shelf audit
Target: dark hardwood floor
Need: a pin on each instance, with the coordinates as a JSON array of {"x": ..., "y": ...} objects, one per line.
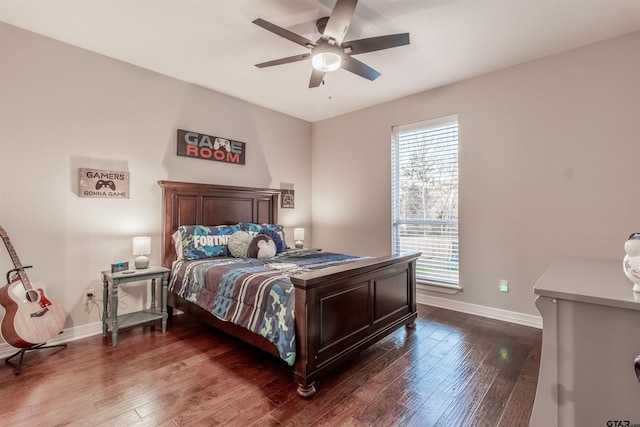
[{"x": 454, "y": 369}]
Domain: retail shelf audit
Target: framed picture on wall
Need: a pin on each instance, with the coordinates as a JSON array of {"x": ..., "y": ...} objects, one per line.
[
  {"x": 287, "y": 199},
  {"x": 106, "y": 184}
]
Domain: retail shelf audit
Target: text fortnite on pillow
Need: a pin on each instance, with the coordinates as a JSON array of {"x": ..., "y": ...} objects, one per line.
[{"x": 202, "y": 241}]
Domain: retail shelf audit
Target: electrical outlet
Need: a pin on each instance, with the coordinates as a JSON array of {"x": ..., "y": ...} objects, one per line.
[
  {"x": 89, "y": 296},
  {"x": 504, "y": 285}
]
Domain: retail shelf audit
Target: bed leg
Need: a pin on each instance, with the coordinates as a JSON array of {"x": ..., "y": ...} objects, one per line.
[
  {"x": 306, "y": 392},
  {"x": 411, "y": 325}
]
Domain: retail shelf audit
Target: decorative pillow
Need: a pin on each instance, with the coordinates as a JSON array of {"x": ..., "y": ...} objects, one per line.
[
  {"x": 239, "y": 243},
  {"x": 202, "y": 241},
  {"x": 261, "y": 246},
  {"x": 258, "y": 228},
  {"x": 280, "y": 246}
]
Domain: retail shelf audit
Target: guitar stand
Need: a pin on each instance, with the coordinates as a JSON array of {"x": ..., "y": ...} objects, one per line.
[
  {"x": 11, "y": 277},
  {"x": 22, "y": 351}
]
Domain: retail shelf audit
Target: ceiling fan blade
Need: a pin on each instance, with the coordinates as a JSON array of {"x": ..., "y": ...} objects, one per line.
[
  {"x": 376, "y": 43},
  {"x": 359, "y": 68},
  {"x": 302, "y": 41},
  {"x": 286, "y": 60},
  {"x": 316, "y": 78},
  {"x": 339, "y": 20}
]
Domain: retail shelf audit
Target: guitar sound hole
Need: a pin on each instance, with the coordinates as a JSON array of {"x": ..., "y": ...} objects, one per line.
[{"x": 32, "y": 295}]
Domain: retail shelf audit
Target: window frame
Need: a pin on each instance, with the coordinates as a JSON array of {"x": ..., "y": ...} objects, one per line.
[{"x": 429, "y": 282}]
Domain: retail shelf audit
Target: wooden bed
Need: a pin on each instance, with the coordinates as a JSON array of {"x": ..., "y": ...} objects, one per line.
[{"x": 339, "y": 311}]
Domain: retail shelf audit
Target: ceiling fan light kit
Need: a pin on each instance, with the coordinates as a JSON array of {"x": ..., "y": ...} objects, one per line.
[
  {"x": 326, "y": 58},
  {"x": 329, "y": 52}
]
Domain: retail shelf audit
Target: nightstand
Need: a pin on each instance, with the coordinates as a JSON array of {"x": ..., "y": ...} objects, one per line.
[{"x": 111, "y": 318}]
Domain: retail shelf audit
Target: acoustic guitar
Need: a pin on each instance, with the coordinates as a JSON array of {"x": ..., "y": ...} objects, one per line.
[{"x": 30, "y": 317}]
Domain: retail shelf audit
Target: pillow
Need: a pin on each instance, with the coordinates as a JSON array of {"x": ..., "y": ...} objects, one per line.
[
  {"x": 280, "y": 246},
  {"x": 201, "y": 241},
  {"x": 261, "y": 246},
  {"x": 239, "y": 244},
  {"x": 258, "y": 228}
]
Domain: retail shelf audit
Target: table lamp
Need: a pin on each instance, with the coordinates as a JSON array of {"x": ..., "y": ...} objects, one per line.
[
  {"x": 142, "y": 247},
  {"x": 298, "y": 236}
]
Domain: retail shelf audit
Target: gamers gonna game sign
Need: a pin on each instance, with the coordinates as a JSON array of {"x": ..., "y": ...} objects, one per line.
[
  {"x": 103, "y": 183},
  {"x": 201, "y": 146}
]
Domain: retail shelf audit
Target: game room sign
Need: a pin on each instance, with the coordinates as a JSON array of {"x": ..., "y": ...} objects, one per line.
[{"x": 201, "y": 146}]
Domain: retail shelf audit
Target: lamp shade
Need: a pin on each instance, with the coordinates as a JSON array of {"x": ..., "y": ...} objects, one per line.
[{"x": 141, "y": 245}]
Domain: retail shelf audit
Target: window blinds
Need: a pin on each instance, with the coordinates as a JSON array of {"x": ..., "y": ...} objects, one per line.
[{"x": 425, "y": 197}]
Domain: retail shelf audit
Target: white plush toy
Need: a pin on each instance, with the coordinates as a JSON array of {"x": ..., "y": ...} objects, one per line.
[{"x": 631, "y": 262}]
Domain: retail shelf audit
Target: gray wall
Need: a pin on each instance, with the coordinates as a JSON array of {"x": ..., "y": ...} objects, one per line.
[
  {"x": 63, "y": 108},
  {"x": 549, "y": 161}
]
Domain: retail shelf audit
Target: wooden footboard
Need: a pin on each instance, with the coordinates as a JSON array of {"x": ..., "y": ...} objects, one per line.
[{"x": 342, "y": 310}]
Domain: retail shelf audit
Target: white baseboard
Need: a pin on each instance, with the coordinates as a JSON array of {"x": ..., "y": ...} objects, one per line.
[
  {"x": 481, "y": 310},
  {"x": 67, "y": 335}
]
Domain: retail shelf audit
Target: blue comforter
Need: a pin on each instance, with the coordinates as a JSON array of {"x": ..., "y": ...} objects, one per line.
[{"x": 253, "y": 293}]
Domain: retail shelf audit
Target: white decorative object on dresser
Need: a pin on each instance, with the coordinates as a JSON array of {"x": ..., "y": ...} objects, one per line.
[
  {"x": 590, "y": 340},
  {"x": 631, "y": 261}
]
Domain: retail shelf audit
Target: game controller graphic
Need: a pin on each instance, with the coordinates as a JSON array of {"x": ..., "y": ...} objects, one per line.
[
  {"x": 287, "y": 199},
  {"x": 102, "y": 184},
  {"x": 221, "y": 142}
]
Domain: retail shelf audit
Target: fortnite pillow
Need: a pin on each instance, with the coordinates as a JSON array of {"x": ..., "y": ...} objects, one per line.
[{"x": 203, "y": 241}]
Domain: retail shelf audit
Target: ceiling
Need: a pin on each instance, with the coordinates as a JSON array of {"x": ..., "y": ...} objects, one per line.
[{"x": 214, "y": 44}]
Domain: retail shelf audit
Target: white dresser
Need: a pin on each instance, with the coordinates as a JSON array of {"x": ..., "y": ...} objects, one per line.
[{"x": 590, "y": 339}]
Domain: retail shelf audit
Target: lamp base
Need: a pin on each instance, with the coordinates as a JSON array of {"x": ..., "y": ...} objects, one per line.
[
  {"x": 141, "y": 262},
  {"x": 299, "y": 244}
]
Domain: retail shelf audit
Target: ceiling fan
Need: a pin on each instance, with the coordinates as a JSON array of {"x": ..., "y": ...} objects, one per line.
[{"x": 330, "y": 52}]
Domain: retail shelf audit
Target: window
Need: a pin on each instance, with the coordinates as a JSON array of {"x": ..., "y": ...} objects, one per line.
[{"x": 424, "y": 189}]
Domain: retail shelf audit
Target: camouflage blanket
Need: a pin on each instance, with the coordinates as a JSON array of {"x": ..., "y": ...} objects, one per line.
[{"x": 253, "y": 293}]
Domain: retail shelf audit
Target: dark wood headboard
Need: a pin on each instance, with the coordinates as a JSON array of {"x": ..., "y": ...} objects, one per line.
[{"x": 186, "y": 203}]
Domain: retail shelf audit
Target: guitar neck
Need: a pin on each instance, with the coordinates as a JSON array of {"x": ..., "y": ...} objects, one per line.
[{"x": 16, "y": 261}]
